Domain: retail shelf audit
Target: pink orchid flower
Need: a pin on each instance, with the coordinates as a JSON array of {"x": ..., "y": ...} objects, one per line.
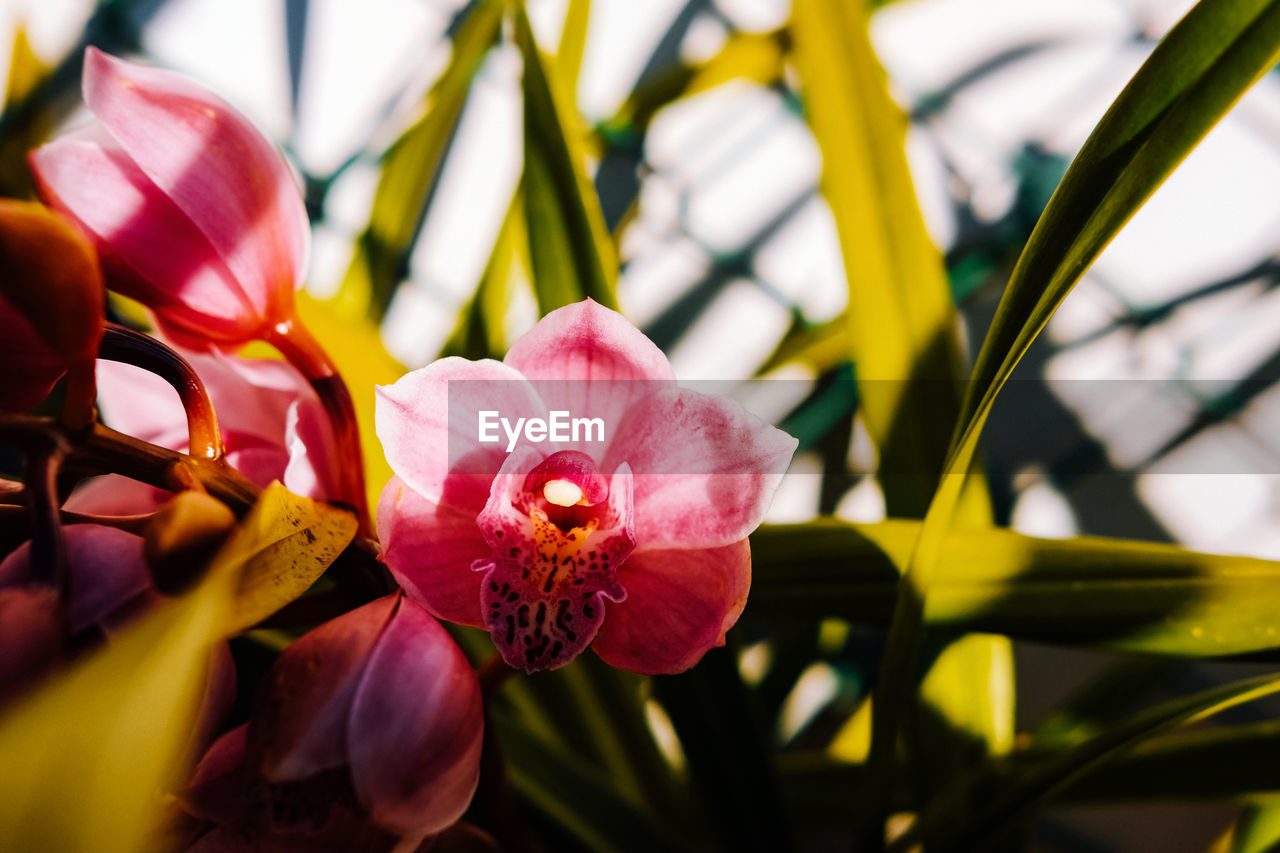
[
  {"x": 636, "y": 544},
  {"x": 273, "y": 425},
  {"x": 367, "y": 730},
  {"x": 192, "y": 210}
]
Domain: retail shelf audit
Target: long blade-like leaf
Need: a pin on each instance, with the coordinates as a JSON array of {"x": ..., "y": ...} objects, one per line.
[
  {"x": 410, "y": 168},
  {"x": 1192, "y": 78},
  {"x": 571, "y": 251},
  {"x": 1093, "y": 592},
  {"x": 973, "y": 814}
]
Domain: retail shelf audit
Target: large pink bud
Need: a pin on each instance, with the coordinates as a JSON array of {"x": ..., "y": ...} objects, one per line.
[
  {"x": 193, "y": 211},
  {"x": 372, "y": 720}
]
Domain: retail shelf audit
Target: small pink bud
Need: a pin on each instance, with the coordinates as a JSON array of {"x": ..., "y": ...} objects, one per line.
[{"x": 193, "y": 211}]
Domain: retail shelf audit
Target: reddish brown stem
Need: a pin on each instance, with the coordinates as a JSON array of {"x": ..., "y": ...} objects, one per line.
[
  {"x": 102, "y": 450},
  {"x": 306, "y": 354},
  {"x": 130, "y": 347},
  {"x": 48, "y": 549},
  {"x": 81, "y": 396}
]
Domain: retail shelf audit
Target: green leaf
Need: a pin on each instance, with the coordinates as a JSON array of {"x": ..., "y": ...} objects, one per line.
[
  {"x": 571, "y": 251},
  {"x": 279, "y": 551},
  {"x": 88, "y": 756},
  {"x": 745, "y": 56},
  {"x": 480, "y": 332},
  {"x": 978, "y": 808},
  {"x": 409, "y": 171},
  {"x": 902, "y": 334},
  {"x": 573, "y": 41},
  {"x": 1257, "y": 830},
  {"x": 1103, "y": 701},
  {"x": 901, "y": 320},
  {"x": 583, "y": 800},
  {"x": 727, "y": 752},
  {"x": 1087, "y": 591},
  {"x": 1191, "y": 79},
  {"x": 1229, "y": 762}
]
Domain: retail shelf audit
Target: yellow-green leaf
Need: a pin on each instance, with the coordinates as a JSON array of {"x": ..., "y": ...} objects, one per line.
[
  {"x": 973, "y": 812},
  {"x": 901, "y": 320},
  {"x": 481, "y": 329},
  {"x": 570, "y": 248},
  {"x": 573, "y": 41},
  {"x": 280, "y": 549},
  {"x": 1086, "y": 591},
  {"x": 409, "y": 170}
]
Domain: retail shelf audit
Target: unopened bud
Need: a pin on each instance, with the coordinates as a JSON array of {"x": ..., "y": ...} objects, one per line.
[{"x": 183, "y": 536}]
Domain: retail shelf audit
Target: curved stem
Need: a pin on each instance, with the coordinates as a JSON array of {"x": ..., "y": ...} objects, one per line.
[
  {"x": 81, "y": 396},
  {"x": 130, "y": 347},
  {"x": 48, "y": 548},
  {"x": 102, "y": 450},
  {"x": 306, "y": 354}
]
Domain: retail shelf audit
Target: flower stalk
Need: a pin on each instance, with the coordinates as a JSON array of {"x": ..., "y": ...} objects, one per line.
[
  {"x": 49, "y": 552},
  {"x": 305, "y": 353},
  {"x": 130, "y": 347}
]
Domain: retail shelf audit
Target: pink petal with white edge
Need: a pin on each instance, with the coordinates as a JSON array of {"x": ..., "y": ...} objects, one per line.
[
  {"x": 679, "y": 605},
  {"x": 150, "y": 248},
  {"x": 215, "y": 165},
  {"x": 590, "y": 361},
  {"x": 545, "y": 587},
  {"x": 416, "y": 728},
  {"x": 430, "y": 547},
  {"x": 430, "y": 431},
  {"x": 300, "y": 726},
  {"x": 705, "y": 469}
]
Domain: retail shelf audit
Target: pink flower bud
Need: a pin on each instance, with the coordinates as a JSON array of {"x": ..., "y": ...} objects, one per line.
[
  {"x": 50, "y": 306},
  {"x": 192, "y": 210},
  {"x": 374, "y": 716}
]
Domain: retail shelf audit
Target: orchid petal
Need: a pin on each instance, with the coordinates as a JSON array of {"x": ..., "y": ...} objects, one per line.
[
  {"x": 430, "y": 547},
  {"x": 415, "y": 770},
  {"x": 428, "y": 423},
  {"x": 301, "y": 725},
  {"x": 196, "y": 148},
  {"x": 679, "y": 605},
  {"x": 150, "y": 248},
  {"x": 30, "y": 634},
  {"x": 114, "y": 494},
  {"x": 588, "y": 360},
  {"x": 108, "y": 571},
  {"x": 705, "y": 469}
]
